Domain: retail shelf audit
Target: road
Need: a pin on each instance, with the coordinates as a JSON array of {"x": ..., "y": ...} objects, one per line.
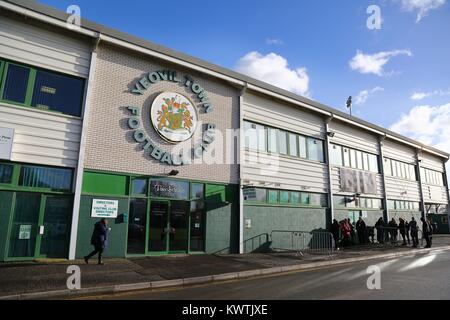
[{"x": 424, "y": 276}]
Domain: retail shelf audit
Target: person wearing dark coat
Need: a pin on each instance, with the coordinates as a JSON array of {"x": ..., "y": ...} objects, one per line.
[
  {"x": 402, "y": 228},
  {"x": 414, "y": 232},
  {"x": 99, "y": 240},
  {"x": 432, "y": 227},
  {"x": 426, "y": 232},
  {"x": 334, "y": 229},
  {"x": 380, "y": 231},
  {"x": 393, "y": 229},
  {"x": 361, "y": 230}
]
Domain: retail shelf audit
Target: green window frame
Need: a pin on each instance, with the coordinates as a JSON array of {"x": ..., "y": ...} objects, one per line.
[{"x": 4, "y": 65}]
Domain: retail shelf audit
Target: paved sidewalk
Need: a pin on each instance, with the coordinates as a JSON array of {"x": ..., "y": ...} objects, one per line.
[{"x": 22, "y": 280}]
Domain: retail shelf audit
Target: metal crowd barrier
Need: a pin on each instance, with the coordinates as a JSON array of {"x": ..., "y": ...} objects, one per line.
[{"x": 301, "y": 242}]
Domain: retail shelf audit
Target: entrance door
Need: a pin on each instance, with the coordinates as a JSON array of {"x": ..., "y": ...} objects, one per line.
[
  {"x": 40, "y": 226},
  {"x": 168, "y": 226},
  {"x": 55, "y": 227},
  {"x": 24, "y": 229}
]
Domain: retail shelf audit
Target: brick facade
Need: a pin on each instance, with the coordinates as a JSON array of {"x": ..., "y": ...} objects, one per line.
[{"x": 110, "y": 145}]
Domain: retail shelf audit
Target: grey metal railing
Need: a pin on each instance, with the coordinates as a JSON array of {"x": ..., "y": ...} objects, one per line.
[{"x": 301, "y": 242}]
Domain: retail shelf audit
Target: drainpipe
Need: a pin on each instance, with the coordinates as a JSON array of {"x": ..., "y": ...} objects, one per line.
[
  {"x": 330, "y": 171},
  {"x": 241, "y": 173},
  {"x": 383, "y": 177},
  {"x": 80, "y": 165},
  {"x": 419, "y": 175}
]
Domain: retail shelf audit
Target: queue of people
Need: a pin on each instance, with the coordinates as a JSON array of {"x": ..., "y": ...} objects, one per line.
[{"x": 345, "y": 233}]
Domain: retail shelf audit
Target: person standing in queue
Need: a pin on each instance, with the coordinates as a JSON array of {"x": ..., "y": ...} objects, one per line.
[
  {"x": 414, "y": 232},
  {"x": 361, "y": 230},
  {"x": 99, "y": 240},
  {"x": 426, "y": 232},
  {"x": 335, "y": 232}
]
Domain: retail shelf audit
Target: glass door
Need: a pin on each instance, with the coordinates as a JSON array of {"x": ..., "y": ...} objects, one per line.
[
  {"x": 178, "y": 226},
  {"x": 54, "y": 228},
  {"x": 158, "y": 226},
  {"x": 137, "y": 226},
  {"x": 24, "y": 228}
]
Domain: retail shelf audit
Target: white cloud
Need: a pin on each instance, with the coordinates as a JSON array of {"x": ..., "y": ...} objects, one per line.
[
  {"x": 274, "y": 69},
  {"x": 427, "y": 124},
  {"x": 364, "y": 95},
  {"x": 374, "y": 63},
  {"x": 274, "y": 41},
  {"x": 422, "y": 7},
  {"x": 422, "y": 95}
]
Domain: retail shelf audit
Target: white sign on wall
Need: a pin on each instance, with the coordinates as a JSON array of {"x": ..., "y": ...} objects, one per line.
[
  {"x": 102, "y": 208},
  {"x": 6, "y": 143}
]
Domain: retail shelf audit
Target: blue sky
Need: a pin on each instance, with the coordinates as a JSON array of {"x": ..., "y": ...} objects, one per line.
[{"x": 314, "y": 41}]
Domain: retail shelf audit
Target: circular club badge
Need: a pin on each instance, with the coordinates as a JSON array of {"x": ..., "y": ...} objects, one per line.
[{"x": 174, "y": 117}]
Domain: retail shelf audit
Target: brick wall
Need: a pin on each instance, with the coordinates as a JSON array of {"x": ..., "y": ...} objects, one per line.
[{"x": 110, "y": 145}]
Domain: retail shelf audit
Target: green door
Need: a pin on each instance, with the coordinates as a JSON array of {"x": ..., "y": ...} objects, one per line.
[
  {"x": 168, "y": 227},
  {"x": 55, "y": 227},
  {"x": 40, "y": 226},
  {"x": 23, "y": 232}
]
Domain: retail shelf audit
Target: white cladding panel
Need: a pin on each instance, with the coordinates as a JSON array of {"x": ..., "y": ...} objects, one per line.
[
  {"x": 398, "y": 151},
  {"x": 42, "y": 137},
  {"x": 37, "y": 46},
  {"x": 432, "y": 162},
  {"x": 284, "y": 172},
  {"x": 283, "y": 116},
  {"x": 280, "y": 172},
  {"x": 402, "y": 189},
  {"x": 353, "y": 137}
]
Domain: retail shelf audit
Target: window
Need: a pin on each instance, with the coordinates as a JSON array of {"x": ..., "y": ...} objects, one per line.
[
  {"x": 251, "y": 136},
  {"x": 6, "y": 171},
  {"x": 366, "y": 161},
  {"x": 302, "y": 144},
  {"x": 391, "y": 204},
  {"x": 139, "y": 186},
  {"x": 197, "y": 191},
  {"x": 46, "y": 178},
  {"x": 16, "y": 83},
  {"x": 273, "y": 196},
  {"x": 353, "y": 158},
  {"x": 315, "y": 149},
  {"x": 387, "y": 167},
  {"x": 273, "y": 140},
  {"x": 57, "y": 92},
  {"x": 346, "y": 157},
  {"x": 282, "y": 140},
  {"x": 359, "y": 160},
  {"x": 43, "y": 89},
  {"x": 284, "y": 197},
  {"x": 295, "y": 198},
  {"x": 373, "y": 163},
  {"x": 305, "y": 199},
  {"x": 412, "y": 172},
  {"x": 293, "y": 145},
  {"x": 336, "y": 155},
  {"x": 261, "y": 195}
]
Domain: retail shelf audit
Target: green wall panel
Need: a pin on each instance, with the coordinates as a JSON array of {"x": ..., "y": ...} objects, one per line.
[
  {"x": 117, "y": 237},
  {"x": 102, "y": 183},
  {"x": 5, "y": 214},
  {"x": 264, "y": 220}
]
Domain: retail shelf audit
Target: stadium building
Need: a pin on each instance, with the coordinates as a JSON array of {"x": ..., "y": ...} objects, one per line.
[{"x": 181, "y": 156}]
